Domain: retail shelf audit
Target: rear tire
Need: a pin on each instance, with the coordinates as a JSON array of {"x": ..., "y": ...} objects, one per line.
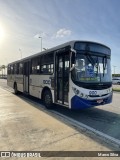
[
  {"x": 47, "y": 99},
  {"x": 15, "y": 89}
]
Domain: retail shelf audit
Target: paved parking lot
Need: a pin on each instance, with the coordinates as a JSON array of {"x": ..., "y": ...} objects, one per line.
[{"x": 26, "y": 127}]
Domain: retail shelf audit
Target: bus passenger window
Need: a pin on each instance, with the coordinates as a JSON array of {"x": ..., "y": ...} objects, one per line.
[
  {"x": 9, "y": 69},
  {"x": 38, "y": 68},
  {"x": 16, "y": 68},
  {"x": 51, "y": 68},
  {"x": 12, "y": 69},
  {"x": 44, "y": 69},
  {"x": 47, "y": 68},
  {"x": 36, "y": 65},
  {"x": 20, "y": 68}
]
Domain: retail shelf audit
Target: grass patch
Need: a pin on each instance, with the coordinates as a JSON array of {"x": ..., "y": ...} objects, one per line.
[{"x": 116, "y": 89}]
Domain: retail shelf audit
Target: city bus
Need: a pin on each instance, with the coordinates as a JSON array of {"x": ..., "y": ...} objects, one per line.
[{"x": 76, "y": 74}]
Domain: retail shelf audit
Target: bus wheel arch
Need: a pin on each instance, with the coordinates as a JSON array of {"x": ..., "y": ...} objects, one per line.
[{"x": 47, "y": 98}]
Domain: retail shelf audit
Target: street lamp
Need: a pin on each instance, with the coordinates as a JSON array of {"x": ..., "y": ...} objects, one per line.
[{"x": 41, "y": 42}]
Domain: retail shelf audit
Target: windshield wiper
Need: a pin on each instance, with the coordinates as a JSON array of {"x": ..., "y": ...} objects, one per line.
[
  {"x": 90, "y": 59},
  {"x": 93, "y": 62}
]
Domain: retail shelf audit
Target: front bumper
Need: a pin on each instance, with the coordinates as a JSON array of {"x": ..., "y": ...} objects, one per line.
[{"x": 80, "y": 103}]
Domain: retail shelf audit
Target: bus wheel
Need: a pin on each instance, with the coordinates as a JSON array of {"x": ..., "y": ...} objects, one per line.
[
  {"x": 15, "y": 89},
  {"x": 47, "y": 98}
]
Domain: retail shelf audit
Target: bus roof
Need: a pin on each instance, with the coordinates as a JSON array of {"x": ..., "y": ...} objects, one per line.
[{"x": 70, "y": 43}]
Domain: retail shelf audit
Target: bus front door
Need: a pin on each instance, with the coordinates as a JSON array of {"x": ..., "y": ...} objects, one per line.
[
  {"x": 62, "y": 75},
  {"x": 26, "y": 77}
]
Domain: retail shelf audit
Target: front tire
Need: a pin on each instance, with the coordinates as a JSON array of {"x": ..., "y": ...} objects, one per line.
[{"x": 47, "y": 98}]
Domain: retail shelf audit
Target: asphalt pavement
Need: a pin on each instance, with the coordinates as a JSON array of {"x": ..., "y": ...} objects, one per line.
[{"x": 27, "y": 125}]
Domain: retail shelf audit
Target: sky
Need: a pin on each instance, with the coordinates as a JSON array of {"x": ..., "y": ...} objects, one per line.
[{"x": 57, "y": 21}]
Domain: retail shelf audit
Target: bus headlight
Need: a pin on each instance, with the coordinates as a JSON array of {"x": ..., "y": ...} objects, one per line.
[
  {"x": 81, "y": 94},
  {"x": 86, "y": 96},
  {"x": 77, "y": 91}
]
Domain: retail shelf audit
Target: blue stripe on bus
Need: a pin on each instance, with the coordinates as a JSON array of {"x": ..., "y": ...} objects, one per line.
[{"x": 79, "y": 103}]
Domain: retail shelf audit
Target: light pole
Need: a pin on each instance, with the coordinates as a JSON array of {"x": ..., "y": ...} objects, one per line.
[{"x": 41, "y": 42}]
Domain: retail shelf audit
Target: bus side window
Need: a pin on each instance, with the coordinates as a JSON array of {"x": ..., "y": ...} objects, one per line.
[
  {"x": 12, "y": 69},
  {"x": 44, "y": 69},
  {"x": 16, "y": 68},
  {"x": 50, "y": 68},
  {"x": 36, "y": 65},
  {"x": 20, "y": 68},
  {"x": 9, "y": 69},
  {"x": 33, "y": 66},
  {"x": 47, "y": 63},
  {"x": 47, "y": 68}
]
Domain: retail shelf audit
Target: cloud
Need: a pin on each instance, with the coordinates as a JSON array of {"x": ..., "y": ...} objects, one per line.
[{"x": 62, "y": 33}]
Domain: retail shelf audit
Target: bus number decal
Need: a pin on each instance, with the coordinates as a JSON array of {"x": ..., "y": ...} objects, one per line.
[
  {"x": 46, "y": 81},
  {"x": 92, "y": 92}
]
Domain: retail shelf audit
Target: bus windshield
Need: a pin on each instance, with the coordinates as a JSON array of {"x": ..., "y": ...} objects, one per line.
[{"x": 92, "y": 69}]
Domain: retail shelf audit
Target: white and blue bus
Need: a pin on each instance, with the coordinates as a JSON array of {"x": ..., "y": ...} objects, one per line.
[{"x": 76, "y": 74}]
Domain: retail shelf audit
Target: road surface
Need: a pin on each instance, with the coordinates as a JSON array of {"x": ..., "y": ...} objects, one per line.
[{"x": 27, "y": 125}]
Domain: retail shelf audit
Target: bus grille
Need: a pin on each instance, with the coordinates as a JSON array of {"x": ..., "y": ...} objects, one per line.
[{"x": 98, "y": 87}]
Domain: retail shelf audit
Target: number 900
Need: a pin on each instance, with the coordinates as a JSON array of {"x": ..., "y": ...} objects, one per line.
[{"x": 92, "y": 92}]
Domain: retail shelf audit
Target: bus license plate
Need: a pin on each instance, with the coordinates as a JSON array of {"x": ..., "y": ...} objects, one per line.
[{"x": 99, "y": 100}]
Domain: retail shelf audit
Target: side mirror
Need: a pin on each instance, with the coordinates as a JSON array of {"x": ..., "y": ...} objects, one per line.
[
  {"x": 73, "y": 66},
  {"x": 73, "y": 58}
]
